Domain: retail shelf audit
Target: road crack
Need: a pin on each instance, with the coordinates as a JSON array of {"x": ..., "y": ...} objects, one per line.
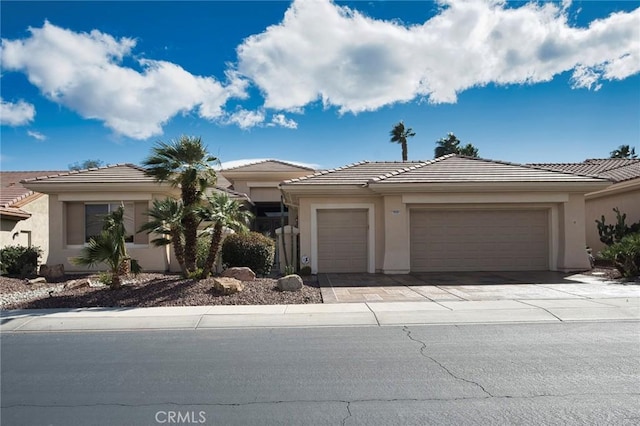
[
  {"x": 423, "y": 349},
  {"x": 348, "y": 413}
]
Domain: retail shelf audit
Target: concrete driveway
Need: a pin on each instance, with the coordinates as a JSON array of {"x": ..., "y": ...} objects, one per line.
[{"x": 470, "y": 286}]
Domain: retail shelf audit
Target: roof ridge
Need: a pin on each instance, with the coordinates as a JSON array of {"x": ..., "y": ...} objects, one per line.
[
  {"x": 408, "y": 169},
  {"x": 75, "y": 172},
  {"x": 326, "y": 172}
]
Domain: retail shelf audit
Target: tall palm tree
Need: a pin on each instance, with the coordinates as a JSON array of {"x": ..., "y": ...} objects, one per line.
[
  {"x": 166, "y": 221},
  {"x": 624, "y": 151},
  {"x": 399, "y": 134},
  {"x": 222, "y": 212},
  {"x": 184, "y": 163},
  {"x": 451, "y": 145},
  {"x": 110, "y": 247}
]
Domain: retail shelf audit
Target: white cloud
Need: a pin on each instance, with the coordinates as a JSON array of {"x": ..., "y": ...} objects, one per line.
[
  {"x": 36, "y": 135},
  {"x": 282, "y": 121},
  {"x": 245, "y": 119},
  {"x": 83, "y": 71},
  {"x": 321, "y": 51},
  {"x": 16, "y": 114}
]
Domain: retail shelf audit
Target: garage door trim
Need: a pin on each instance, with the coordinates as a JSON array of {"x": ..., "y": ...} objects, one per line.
[{"x": 370, "y": 207}]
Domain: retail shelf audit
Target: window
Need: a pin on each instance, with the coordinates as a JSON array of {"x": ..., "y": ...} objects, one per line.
[{"x": 94, "y": 215}]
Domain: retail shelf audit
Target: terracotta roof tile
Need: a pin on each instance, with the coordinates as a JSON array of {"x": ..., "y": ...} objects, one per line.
[
  {"x": 352, "y": 174},
  {"x": 117, "y": 173},
  {"x": 11, "y": 189},
  {"x": 616, "y": 169}
]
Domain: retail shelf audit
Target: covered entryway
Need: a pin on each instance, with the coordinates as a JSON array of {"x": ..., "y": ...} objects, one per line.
[
  {"x": 479, "y": 240},
  {"x": 342, "y": 240}
]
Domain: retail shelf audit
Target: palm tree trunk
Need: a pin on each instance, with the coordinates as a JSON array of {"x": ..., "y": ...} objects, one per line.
[
  {"x": 116, "y": 280},
  {"x": 404, "y": 151},
  {"x": 190, "y": 241},
  {"x": 178, "y": 248},
  {"x": 216, "y": 238}
]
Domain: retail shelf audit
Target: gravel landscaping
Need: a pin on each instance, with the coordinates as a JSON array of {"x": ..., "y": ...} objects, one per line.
[{"x": 146, "y": 290}]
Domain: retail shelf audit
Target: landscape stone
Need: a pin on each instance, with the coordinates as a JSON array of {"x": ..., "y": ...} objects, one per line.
[
  {"x": 227, "y": 285},
  {"x": 240, "y": 273},
  {"x": 76, "y": 284},
  {"x": 290, "y": 283},
  {"x": 37, "y": 280},
  {"x": 52, "y": 272}
]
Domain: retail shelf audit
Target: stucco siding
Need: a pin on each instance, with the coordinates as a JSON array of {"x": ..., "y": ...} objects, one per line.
[
  {"x": 627, "y": 202},
  {"x": 33, "y": 230}
]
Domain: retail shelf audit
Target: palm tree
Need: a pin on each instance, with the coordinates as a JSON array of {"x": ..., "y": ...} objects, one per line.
[
  {"x": 110, "y": 247},
  {"x": 451, "y": 145},
  {"x": 399, "y": 135},
  {"x": 624, "y": 151},
  {"x": 222, "y": 212},
  {"x": 184, "y": 163},
  {"x": 166, "y": 221}
]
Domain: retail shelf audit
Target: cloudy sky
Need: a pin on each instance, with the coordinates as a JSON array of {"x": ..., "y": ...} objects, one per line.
[{"x": 316, "y": 81}]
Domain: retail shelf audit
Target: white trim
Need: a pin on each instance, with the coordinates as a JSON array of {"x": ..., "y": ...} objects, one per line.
[
  {"x": 105, "y": 197},
  {"x": 370, "y": 207},
  {"x": 273, "y": 184},
  {"x": 484, "y": 198}
]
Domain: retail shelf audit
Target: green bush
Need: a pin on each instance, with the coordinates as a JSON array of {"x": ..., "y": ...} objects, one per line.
[
  {"x": 202, "y": 249},
  {"x": 611, "y": 234},
  {"x": 625, "y": 255},
  {"x": 305, "y": 271},
  {"x": 20, "y": 260},
  {"x": 251, "y": 249}
]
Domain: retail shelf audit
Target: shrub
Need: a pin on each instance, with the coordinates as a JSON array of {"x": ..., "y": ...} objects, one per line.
[
  {"x": 305, "y": 271},
  {"x": 251, "y": 249},
  {"x": 625, "y": 255},
  {"x": 202, "y": 249},
  {"x": 20, "y": 260}
]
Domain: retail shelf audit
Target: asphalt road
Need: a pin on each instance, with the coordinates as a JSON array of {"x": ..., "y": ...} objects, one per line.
[{"x": 570, "y": 373}]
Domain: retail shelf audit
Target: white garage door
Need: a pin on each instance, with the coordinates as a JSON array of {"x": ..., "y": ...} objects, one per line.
[
  {"x": 342, "y": 240},
  {"x": 479, "y": 240}
]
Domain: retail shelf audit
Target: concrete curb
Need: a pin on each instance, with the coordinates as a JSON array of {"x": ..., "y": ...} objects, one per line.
[{"x": 322, "y": 315}]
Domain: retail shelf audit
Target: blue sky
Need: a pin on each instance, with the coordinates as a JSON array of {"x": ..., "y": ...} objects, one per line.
[{"x": 316, "y": 81}]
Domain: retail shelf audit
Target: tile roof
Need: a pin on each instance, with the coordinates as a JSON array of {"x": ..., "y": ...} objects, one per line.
[
  {"x": 353, "y": 174},
  {"x": 116, "y": 173},
  {"x": 447, "y": 169},
  {"x": 616, "y": 169},
  {"x": 268, "y": 165},
  {"x": 11, "y": 189}
]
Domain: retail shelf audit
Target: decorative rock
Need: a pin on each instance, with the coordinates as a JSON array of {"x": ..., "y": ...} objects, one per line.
[
  {"x": 53, "y": 272},
  {"x": 240, "y": 273},
  {"x": 227, "y": 285},
  {"x": 290, "y": 283},
  {"x": 37, "y": 280},
  {"x": 76, "y": 284}
]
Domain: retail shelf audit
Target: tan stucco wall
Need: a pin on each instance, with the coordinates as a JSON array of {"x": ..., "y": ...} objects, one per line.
[
  {"x": 627, "y": 202},
  {"x": 150, "y": 258},
  {"x": 392, "y": 248},
  {"x": 37, "y": 224}
]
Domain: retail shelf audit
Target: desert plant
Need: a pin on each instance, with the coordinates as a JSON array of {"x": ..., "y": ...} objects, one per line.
[
  {"x": 251, "y": 249},
  {"x": 625, "y": 255},
  {"x": 110, "y": 247},
  {"x": 19, "y": 260},
  {"x": 289, "y": 270},
  {"x": 185, "y": 164},
  {"x": 202, "y": 249},
  {"x": 223, "y": 212},
  {"x": 611, "y": 234}
]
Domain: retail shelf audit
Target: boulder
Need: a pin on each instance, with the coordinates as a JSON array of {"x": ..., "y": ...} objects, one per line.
[
  {"x": 226, "y": 285},
  {"x": 76, "y": 284},
  {"x": 240, "y": 273},
  {"x": 52, "y": 272},
  {"x": 37, "y": 280},
  {"x": 290, "y": 283}
]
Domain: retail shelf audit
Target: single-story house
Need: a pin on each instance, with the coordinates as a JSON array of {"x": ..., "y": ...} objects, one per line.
[
  {"x": 24, "y": 214},
  {"x": 76, "y": 201},
  {"x": 453, "y": 213},
  {"x": 623, "y": 194}
]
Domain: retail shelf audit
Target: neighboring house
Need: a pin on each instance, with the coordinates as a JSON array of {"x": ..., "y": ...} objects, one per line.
[
  {"x": 623, "y": 194},
  {"x": 454, "y": 213},
  {"x": 24, "y": 214},
  {"x": 78, "y": 200},
  {"x": 260, "y": 181}
]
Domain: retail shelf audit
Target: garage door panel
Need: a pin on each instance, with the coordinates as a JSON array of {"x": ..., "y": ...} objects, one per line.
[
  {"x": 343, "y": 236},
  {"x": 488, "y": 240}
]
